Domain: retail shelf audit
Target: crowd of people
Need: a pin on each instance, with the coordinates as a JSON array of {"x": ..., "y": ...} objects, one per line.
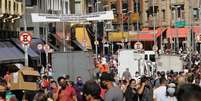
[{"x": 162, "y": 86}]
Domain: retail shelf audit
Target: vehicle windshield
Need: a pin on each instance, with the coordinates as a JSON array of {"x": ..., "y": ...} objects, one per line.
[
  {"x": 152, "y": 58},
  {"x": 146, "y": 57}
]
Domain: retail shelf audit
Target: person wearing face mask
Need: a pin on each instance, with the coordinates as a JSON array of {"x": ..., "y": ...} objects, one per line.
[
  {"x": 113, "y": 93},
  {"x": 65, "y": 92},
  {"x": 131, "y": 91},
  {"x": 79, "y": 88},
  {"x": 170, "y": 91}
]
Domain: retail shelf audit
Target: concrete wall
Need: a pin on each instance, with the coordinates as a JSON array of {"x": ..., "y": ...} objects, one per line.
[{"x": 74, "y": 64}]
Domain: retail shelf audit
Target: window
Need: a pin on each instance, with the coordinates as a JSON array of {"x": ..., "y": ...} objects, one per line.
[
  {"x": 31, "y": 3},
  {"x": 152, "y": 58},
  {"x": 30, "y": 78},
  {"x": 66, "y": 7},
  {"x": 9, "y": 5},
  {"x": 14, "y": 6},
  {"x": 6, "y": 4},
  {"x": 77, "y": 7},
  {"x": 195, "y": 13},
  {"x": 146, "y": 57},
  {"x": 0, "y": 3},
  {"x": 163, "y": 13}
]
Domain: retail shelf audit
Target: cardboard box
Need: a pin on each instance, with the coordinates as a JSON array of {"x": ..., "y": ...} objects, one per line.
[
  {"x": 2, "y": 88},
  {"x": 24, "y": 79}
]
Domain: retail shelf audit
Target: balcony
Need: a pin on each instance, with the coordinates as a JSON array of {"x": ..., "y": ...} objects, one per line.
[
  {"x": 177, "y": 2},
  {"x": 150, "y": 2}
]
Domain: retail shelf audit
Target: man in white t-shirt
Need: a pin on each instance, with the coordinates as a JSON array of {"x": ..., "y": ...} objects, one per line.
[{"x": 160, "y": 92}]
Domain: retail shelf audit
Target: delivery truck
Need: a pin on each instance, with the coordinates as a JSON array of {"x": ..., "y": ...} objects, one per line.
[{"x": 143, "y": 62}]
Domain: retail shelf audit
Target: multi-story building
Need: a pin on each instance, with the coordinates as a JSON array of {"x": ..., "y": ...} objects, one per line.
[
  {"x": 177, "y": 16},
  {"x": 125, "y": 12},
  {"x": 167, "y": 11},
  {"x": 10, "y": 13}
]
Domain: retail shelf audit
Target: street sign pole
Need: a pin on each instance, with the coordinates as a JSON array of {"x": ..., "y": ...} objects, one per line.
[
  {"x": 96, "y": 34},
  {"x": 26, "y": 55},
  {"x": 46, "y": 59},
  {"x": 46, "y": 48},
  {"x": 200, "y": 20},
  {"x": 154, "y": 22},
  {"x": 40, "y": 47},
  {"x": 25, "y": 39},
  {"x": 24, "y": 16},
  {"x": 40, "y": 58}
]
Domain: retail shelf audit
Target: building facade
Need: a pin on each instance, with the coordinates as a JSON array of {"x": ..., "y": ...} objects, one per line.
[
  {"x": 180, "y": 18},
  {"x": 169, "y": 11},
  {"x": 10, "y": 13}
]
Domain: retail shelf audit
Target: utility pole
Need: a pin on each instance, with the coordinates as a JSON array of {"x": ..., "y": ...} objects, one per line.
[
  {"x": 154, "y": 22},
  {"x": 64, "y": 34},
  {"x": 96, "y": 34},
  {"x": 46, "y": 36},
  {"x": 176, "y": 39},
  {"x": 137, "y": 10},
  {"x": 190, "y": 23},
  {"x": 200, "y": 20},
  {"x": 25, "y": 30},
  {"x": 161, "y": 32},
  {"x": 190, "y": 33}
]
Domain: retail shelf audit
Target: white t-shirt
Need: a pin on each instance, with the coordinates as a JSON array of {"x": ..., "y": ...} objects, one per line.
[{"x": 160, "y": 93}]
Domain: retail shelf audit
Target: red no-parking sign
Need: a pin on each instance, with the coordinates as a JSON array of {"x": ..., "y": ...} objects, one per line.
[{"x": 25, "y": 38}]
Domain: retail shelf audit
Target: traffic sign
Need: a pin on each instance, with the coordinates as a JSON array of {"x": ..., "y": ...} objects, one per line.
[
  {"x": 155, "y": 48},
  {"x": 40, "y": 46},
  {"x": 138, "y": 46},
  {"x": 46, "y": 47},
  {"x": 25, "y": 38},
  {"x": 96, "y": 42}
]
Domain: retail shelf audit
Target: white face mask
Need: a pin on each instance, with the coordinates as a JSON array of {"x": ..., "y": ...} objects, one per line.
[{"x": 171, "y": 91}]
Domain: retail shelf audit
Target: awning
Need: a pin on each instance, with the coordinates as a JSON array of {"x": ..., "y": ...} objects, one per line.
[
  {"x": 146, "y": 35},
  {"x": 9, "y": 53},
  {"x": 182, "y": 32},
  {"x": 118, "y": 36},
  {"x": 31, "y": 52}
]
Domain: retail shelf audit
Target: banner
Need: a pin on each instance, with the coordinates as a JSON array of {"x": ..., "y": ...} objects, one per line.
[{"x": 105, "y": 15}]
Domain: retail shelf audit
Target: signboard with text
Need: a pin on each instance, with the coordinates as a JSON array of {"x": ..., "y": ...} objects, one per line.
[{"x": 104, "y": 15}]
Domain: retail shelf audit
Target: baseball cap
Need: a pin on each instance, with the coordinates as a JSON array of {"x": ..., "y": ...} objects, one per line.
[{"x": 106, "y": 77}]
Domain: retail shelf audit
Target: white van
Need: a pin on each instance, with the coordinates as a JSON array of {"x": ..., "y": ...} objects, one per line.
[{"x": 150, "y": 56}]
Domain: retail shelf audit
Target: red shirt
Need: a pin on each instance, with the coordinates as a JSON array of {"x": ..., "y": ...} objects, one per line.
[
  {"x": 103, "y": 91},
  {"x": 67, "y": 94},
  {"x": 45, "y": 83}
]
